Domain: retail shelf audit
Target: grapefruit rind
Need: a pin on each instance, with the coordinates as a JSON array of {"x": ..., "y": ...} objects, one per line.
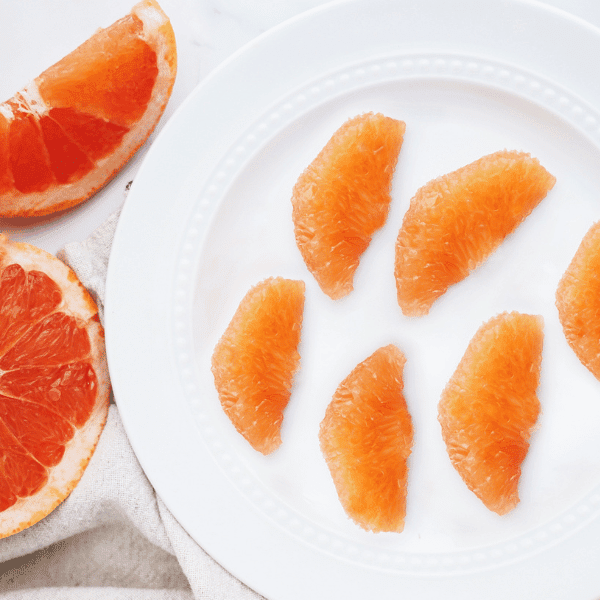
[
  {"x": 489, "y": 408},
  {"x": 255, "y": 360},
  {"x": 158, "y": 33},
  {"x": 342, "y": 198},
  {"x": 78, "y": 303},
  {"x": 578, "y": 301},
  {"x": 62, "y": 479},
  {"x": 456, "y": 221},
  {"x": 366, "y": 439}
]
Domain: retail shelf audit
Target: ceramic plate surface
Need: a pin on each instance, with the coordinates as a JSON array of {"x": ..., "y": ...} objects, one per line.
[{"x": 209, "y": 215}]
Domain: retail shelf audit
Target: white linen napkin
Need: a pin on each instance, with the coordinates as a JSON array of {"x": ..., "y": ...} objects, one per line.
[{"x": 112, "y": 537}]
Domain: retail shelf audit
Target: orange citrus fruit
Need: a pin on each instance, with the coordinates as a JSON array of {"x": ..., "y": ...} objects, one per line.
[
  {"x": 54, "y": 386},
  {"x": 578, "y": 301},
  {"x": 343, "y": 197},
  {"x": 457, "y": 220},
  {"x": 71, "y": 129},
  {"x": 366, "y": 438},
  {"x": 489, "y": 407},
  {"x": 255, "y": 360}
]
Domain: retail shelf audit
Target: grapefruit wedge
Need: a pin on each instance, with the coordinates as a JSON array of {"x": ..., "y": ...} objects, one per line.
[
  {"x": 366, "y": 438},
  {"x": 54, "y": 386},
  {"x": 457, "y": 220},
  {"x": 71, "y": 129},
  {"x": 343, "y": 197},
  {"x": 578, "y": 301},
  {"x": 254, "y": 362},
  {"x": 489, "y": 407}
]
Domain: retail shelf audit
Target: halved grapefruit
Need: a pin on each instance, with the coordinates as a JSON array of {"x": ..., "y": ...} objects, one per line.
[{"x": 54, "y": 386}]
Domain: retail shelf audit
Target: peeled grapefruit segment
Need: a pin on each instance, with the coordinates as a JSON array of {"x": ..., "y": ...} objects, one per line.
[
  {"x": 70, "y": 130},
  {"x": 343, "y": 197},
  {"x": 54, "y": 386},
  {"x": 578, "y": 301},
  {"x": 366, "y": 438},
  {"x": 255, "y": 360},
  {"x": 490, "y": 407},
  {"x": 457, "y": 220}
]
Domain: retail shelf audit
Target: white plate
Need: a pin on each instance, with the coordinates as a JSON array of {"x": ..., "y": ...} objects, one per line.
[{"x": 209, "y": 215}]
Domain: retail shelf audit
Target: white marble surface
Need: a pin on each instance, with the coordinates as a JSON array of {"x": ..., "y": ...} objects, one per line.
[{"x": 36, "y": 33}]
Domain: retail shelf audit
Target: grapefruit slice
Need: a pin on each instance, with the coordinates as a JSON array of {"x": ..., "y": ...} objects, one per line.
[
  {"x": 457, "y": 220},
  {"x": 578, "y": 301},
  {"x": 489, "y": 407},
  {"x": 54, "y": 386},
  {"x": 255, "y": 360},
  {"x": 70, "y": 130},
  {"x": 343, "y": 197},
  {"x": 366, "y": 438}
]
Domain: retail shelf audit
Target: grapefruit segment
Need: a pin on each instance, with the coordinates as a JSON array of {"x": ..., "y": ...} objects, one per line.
[
  {"x": 578, "y": 301},
  {"x": 56, "y": 339},
  {"x": 69, "y": 390},
  {"x": 96, "y": 80},
  {"x": 25, "y": 297},
  {"x": 6, "y": 180},
  {"x": 457, "y": 220},
  {"x": 27, "y": 154},
  {"x": 24, "y": 476},
  {"x": 255, "y": 360},
  {"x": 46, "y": 442},
  {"x": 66, "y": 133},
  {"x": 66, "y": 160},
  {"x": 489, "y": 407},
  {"x": 343, "y": 197},
  {"x": 54, "y": 387},
  {"x": 95, "y": 136},
  {"x": 366, "y": 438}
]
